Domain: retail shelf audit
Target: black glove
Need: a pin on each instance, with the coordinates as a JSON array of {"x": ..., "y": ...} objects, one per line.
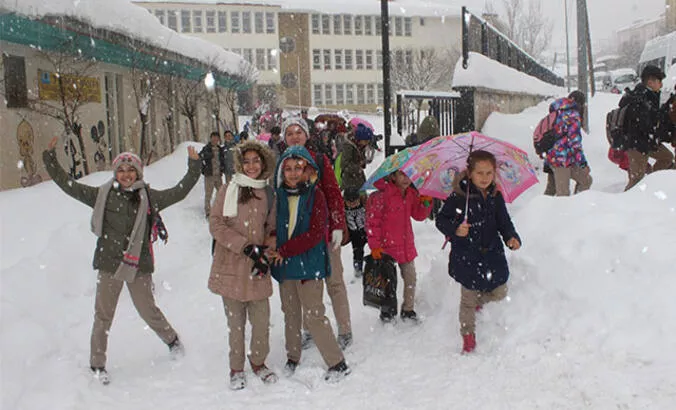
[{"x": 257, "y": 254}]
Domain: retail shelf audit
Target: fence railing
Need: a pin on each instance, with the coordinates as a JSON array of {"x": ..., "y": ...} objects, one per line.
[{"x": 480, "y": 36}]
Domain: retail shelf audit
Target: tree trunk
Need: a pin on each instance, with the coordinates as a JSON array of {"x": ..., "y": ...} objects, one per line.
[
  {"x": 77, "y": 128},
  {"x": 144, "y": 130},
  {"x": 193, "y": 127}
]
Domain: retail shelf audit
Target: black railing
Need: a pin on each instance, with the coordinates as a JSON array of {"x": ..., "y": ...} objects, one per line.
[{"x": 481, "y": 37}]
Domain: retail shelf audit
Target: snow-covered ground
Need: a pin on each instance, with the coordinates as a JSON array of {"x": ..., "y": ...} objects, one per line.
[{"x": 590, "y": 321}]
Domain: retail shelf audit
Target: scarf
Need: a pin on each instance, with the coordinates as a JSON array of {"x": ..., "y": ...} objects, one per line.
[
  {"x": 128, "y": 267},
  {"x": 232, "y": 192}
]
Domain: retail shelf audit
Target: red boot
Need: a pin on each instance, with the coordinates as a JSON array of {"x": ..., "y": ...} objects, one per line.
[{"x": 468, "y": 343}]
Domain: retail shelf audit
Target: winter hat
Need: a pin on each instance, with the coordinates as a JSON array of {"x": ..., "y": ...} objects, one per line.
[
  {"x": 363, "y": 133},
  {"x": 295, "y": 121},
  {"x": 129, "y": 159},
  {"x": 351, "y": 194}
]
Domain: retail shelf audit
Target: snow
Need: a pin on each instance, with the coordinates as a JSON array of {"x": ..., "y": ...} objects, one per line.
[
  {"x": 121, "y": 16},
  {"x": 487, "y": 73},
  {"x": 427, "y": 8},
  {"x": 589, "y": 322}
]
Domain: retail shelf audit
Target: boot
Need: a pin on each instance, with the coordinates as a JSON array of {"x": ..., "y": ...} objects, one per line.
[
  {"x": 337, "y": 373},
  {"x": 237, "y": 379},
  {"x": 101, "y": 374},
  {"x": 176, "y": 349},
  {"x": 290, "y": 368},
  {"x": 265, "y": 374},
  {"x": 345, "y": 340},
  {"x": 409, "y": 315},
  {"x": 468, "y": 343},
  {"x": 358, "y": 269}
]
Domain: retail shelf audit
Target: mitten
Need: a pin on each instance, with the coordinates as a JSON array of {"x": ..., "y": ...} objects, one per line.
[{"x": 257, "y": 254}]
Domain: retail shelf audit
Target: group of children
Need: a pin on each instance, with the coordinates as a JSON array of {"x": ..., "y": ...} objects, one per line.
[{"x": 288, "y": 232}]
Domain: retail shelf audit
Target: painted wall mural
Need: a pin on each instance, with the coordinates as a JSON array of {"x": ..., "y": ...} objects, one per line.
[{"x": 26, "y": 141}]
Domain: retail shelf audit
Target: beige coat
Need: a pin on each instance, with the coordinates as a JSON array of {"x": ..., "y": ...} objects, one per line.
[{"x": 231, "y": 270}]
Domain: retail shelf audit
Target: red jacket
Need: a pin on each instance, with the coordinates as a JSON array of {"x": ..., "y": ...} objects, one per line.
[
  {"x": 388, "y": 220},
  {"x": 334, "y": 199}
]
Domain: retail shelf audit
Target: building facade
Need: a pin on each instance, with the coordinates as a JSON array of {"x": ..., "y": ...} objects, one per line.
[{"x": 312, "y": 57}]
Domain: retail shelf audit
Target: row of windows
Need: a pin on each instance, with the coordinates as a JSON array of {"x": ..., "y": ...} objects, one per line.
[
  {"x": 347, "y": 24},
  {"x": 347, "y": 94},
  {"x": 212, "y": 21},
  {"x": 340, "y": 59},
  {"x": 263, "y": 59}
]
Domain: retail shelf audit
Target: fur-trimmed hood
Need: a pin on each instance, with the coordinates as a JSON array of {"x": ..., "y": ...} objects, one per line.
[{"x": 264, "y": 152}]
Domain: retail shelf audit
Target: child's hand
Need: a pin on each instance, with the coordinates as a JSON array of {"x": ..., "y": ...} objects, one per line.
[
  {"x": 463, "y": 230},
  {"x": 192, "y": 153},
  {"x": 377, "y": 253},
  {"x": 274, "y": 257},
  {"x": 426, "y": 200},
  {"x": 513, "y": 244}
]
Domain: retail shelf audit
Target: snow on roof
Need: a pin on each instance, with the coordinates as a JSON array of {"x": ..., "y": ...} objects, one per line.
[
  {"x": 487, "y": 73},
  {"x": 411, "y": 8},
  {"x": 128, "y": 19},
  {"x": 428, "y": 94}
]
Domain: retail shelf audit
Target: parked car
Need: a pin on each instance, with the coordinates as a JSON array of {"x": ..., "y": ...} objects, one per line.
[{"x": 621, "y": 79}]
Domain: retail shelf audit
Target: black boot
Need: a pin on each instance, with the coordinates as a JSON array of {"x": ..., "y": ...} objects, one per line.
[{"x": 337, "y": 373}]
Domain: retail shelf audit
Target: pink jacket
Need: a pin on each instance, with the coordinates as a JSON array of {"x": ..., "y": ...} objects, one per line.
[{"x": 388, "y": 220}]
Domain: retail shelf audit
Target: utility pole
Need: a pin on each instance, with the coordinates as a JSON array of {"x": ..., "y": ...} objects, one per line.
[
  {"x": 590, "y": 57},
  {"x": 565, "y": 5},
  {"x": 385, "y": 35},
  {"x": 582, "y": 74}
]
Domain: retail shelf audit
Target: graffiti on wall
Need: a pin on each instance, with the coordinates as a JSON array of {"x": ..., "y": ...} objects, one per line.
[
  {"x": 26, "y": 141},
  {"x": 97, "y": 133}
]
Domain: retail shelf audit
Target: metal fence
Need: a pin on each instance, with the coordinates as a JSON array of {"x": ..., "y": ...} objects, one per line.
[{"x": 479, "y": 36}]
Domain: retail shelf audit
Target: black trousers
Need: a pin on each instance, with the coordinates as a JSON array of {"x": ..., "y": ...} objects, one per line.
[{"x": 358, "y": 240}]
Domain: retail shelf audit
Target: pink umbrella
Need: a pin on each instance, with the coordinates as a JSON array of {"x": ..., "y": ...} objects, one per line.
[
  {"x": 265, "y": 137},
  {"x": 435, "y": 163},
  {"x": 356, "y": 121}
]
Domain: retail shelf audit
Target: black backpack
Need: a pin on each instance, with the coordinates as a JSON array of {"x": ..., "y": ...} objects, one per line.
[{"x": 616, "y": 127}]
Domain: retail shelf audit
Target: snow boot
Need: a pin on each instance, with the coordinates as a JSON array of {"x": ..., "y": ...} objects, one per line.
[
  {"x": 468, "y": 343},
  {"x": 344, "y": 341},
  {"x": 101, "y": 375},
  {"x": 290, "y": 368},
  {"x": 386, "y": 316},
  {"x": 337, "y": 373},
  {"x": 237, "y": 380},
  {"x": 358, "y": 269},
  {"x": 176, "y": 349},
  {"x": 265, "y": 374},
  {"x": 306, "y": 340},
  {"x": 409, "y": 316}
]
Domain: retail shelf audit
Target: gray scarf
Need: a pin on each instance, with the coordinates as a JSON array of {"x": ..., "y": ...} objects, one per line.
[{"x": 130, "y": 259}]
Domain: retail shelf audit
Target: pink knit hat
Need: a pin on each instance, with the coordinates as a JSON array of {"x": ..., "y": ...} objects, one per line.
[{"x": 129, "y": 159}]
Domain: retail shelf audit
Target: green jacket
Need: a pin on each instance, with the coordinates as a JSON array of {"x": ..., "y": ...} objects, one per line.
[
  {"x": 120, "y": 213},
  {"x": 352, "y": 167},
  {"x": 429, "y": 128}
]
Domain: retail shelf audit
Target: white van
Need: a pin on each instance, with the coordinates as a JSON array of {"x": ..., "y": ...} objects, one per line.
[{"x": 660, "y": 52}]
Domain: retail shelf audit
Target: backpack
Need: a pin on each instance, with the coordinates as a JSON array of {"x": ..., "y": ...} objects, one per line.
[
  {"x": 270, "y": 193},
  {"x": 544, "y": 136},
  {"x": 616, "y": 131}
]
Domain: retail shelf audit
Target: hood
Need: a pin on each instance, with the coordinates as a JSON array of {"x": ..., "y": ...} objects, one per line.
[
  {"x": 563, "y": 104},
  {"x": 263, "y": 151},
  {"x": 294, "y": 151}
]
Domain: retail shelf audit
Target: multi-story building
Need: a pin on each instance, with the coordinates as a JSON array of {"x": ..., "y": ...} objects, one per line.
[
  {"x": 641, "y": 31},
  {"x": 670, "y": 15},
  {"x": 324, "y": 55}
]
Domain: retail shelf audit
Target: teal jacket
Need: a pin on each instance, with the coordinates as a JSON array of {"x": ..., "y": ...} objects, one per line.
[{"x": 305, "y": 253}]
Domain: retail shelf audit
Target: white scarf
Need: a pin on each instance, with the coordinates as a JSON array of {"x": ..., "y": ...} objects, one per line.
[{"x": 232, "y": 192}]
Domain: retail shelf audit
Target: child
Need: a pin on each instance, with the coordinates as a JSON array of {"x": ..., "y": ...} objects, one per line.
[
  {"x": 477, "y": 259},
  {"x": 301, "y": 260},
  {"x": 355, "y": 216},
  {"x": 242, "y": 224},
  {"x": 389, "y": 230},
  {"x": 123, "y": 210}
]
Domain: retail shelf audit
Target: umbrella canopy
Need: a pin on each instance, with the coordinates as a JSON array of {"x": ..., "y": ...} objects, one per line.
[
  {"x": 356, "y": 121},
  {"x": 433, "y": 166},
  {"x": 389, "y": 165}
]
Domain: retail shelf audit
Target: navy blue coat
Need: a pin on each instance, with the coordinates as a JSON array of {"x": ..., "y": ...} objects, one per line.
[{"x": 478, "y": 260}]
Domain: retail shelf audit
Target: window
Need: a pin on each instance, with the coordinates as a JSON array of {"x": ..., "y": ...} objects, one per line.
[
  {"x": 185, "y": 21},
  {"x": 399, "y": 26},
  {"x": 370, "y": 94},
  {"x": 360, "y": 94},
  {"x": 272, "y": 60},
  {"x": 326, "y": 21},
  {"x": 234, "y": 21},
  {"x": 368, "y": 25},
  {"x": 347, "y": 24},
  {"x": 316, "y": 59},
  {"x": 160, "y": 16},
  {"x": 340, "y": 94},
  {"x": 379, "y": 59},
  {"x": 327, "y": 59},
  {"x": 315, "y": 24},
  {"x": 16, "y": 89},
  {"x": 258, "y": 22},
  {"x": 408, "y": 26},
  {"x": 197, "y": 21},
  {"x": 211, "y": 21},
  {"x": 328, "y": 94},
  {"x": 270, "y": 23},
  {"x": 338, "y": 59},
  {"x": 246, "y": 22},
  {"x": 349, "y": 94},
  {"x": 337, "y": 25},
  {"x": 172, "y": 20},
  {"x": 381, "y": 93},
  {"x": 222, "y": 21},
  {"x": 369, "y": 59},
  {"x": 348, "y": 60},
  {"x": 358, "y": 25},
  {"x": 248, "y": 55},
  {"x": 379, "y": 27},
  {"x": 260, "y": 59},
  {"x": 359, "y": 57},
  {"x": 409, "y": 58},
  {"x": 422, "y": 21},
  {"x": 317, "y": 94}
]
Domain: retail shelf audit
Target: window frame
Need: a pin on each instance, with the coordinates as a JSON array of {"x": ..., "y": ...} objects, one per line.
[
  {"x": 210, "y": 28},
  {"x": 186, "y": 16},
  {"x": 259, "y": 22},
  {"x": 235, "y": 22},
  {"x": 198, "y": 21},
  {"x": 222, "y": 21}
]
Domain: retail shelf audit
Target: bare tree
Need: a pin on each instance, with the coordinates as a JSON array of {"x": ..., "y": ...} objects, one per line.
[
  {"x": 246, "y": 76},
  {"x": 526, "y": 25},
  {"x": 191, "y": 95}
]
